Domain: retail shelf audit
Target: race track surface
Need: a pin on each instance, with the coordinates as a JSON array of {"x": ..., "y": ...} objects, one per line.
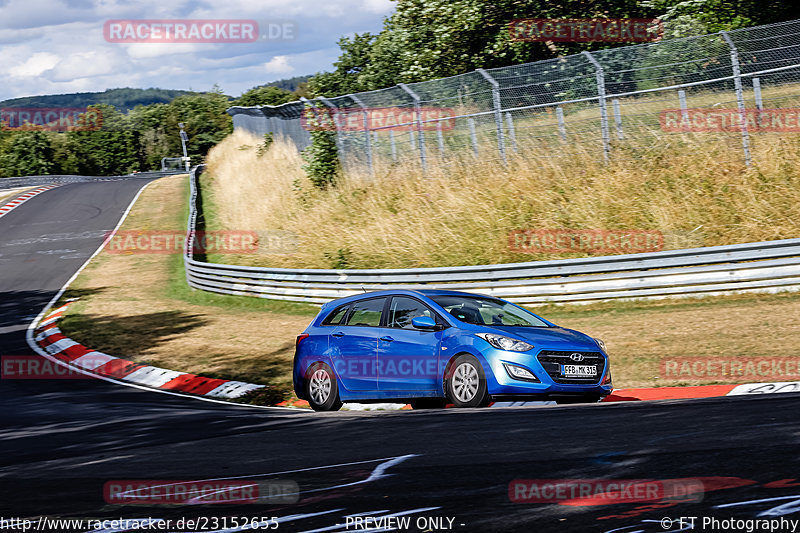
[{"x": 62, "y": 441}]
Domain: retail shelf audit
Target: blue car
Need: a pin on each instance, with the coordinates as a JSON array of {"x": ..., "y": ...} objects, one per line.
[{"x": 430, "y": 348}]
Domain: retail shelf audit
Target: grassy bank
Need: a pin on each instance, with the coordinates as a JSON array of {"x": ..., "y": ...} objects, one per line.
[{"x": 696, "y": 193}]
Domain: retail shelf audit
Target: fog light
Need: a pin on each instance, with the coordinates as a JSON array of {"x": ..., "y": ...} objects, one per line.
[{"x": 518, "y": 372}]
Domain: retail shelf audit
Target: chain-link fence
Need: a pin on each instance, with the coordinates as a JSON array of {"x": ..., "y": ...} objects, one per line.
[{"x": 606, "y": 104}]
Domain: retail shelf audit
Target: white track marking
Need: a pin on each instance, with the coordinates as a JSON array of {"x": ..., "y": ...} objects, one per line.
[
  {"x": 92, "y": 360},
  {"x": 377, "y": 473},
  {"x": 233, "y": 389},
  {"x": 151, "y": 376},
  {"x": 60, "y": 346}
]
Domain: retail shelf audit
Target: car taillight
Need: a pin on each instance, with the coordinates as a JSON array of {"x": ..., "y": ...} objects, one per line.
[{"x": 300, "y": 338}]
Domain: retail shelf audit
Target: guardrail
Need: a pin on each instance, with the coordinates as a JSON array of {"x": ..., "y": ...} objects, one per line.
[
  {"x": 31, "y": 181},
  {"x": 769, "y": 266}
]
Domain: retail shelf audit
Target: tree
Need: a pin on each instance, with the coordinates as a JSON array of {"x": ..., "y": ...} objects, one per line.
[
  {"x": 264, "y": 95},
  {"x": 345, "y": 78},
  {"x": 27, "y": 153},
  {"x": 428, "y": 39},
  {"x": 205, "y": 119}
]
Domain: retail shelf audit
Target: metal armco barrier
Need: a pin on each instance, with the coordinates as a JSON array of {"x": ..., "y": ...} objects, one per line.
[
  {"x": 770, "y": 266},
  {"x": 32, "y": 181}
]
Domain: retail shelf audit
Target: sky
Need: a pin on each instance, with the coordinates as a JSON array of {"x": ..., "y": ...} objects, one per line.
[{"x": 60, "y": 46}]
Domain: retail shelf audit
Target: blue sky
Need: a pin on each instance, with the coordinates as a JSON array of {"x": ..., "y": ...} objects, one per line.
[{"x": 58, "y": 46}]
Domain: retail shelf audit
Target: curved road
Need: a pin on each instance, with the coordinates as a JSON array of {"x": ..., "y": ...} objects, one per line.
[{"x": 62, "y": 441}]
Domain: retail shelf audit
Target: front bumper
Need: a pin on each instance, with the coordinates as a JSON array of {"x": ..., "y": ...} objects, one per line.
[{"x": 501, "y": 384}]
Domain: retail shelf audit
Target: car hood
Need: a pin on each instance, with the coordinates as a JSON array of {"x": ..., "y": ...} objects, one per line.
[{"x": 552, "y": 338}]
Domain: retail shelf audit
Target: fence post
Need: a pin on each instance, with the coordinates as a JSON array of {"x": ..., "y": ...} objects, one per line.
[
  {"x": 511, "y": 133},
  {"x": 498, "y": 112},
  {"x": 737, "y": 84},
  {"x": 757, "y": 93},
  {"x": 440, "y": 138},
  {"x": 601, "y": 96},
  {"x": 418, "y": 107},
  {"x": 393, "y": 144},
  {"x": 684, "y": 107},
  {"x": 367, "y": 136},
  {"x": 473, "y": 135},
  {"x": 759, "y": 100},
  {"x": 562, "y": 128},
  {"x": 618, "y": 119}
]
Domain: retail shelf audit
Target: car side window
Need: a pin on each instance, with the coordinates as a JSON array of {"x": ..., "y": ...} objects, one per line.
[
  {"x": 335, "y": 318},
  {"x": 367, "y": 313},
  {"x": 403, "y": 310}
]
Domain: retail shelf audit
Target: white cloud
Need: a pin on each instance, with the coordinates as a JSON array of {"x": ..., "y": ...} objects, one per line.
[
  {"x": 84, "y": 65},
  {"x": 278, "y": 65},
  {"x": 150, "y": 50},
  {"x": 36, "y": 65},
  {"x": 57, "y": 46}
]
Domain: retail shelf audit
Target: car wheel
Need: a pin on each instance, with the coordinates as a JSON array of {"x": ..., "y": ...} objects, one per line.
[
  {"x": 428, "y": 403},
  {"x": 321, "y": 388},
  {"x": 466, "y": 384}
]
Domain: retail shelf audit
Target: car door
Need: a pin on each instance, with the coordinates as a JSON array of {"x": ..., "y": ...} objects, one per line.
[
  {"x": 408, "y": 357},
  {"x": 354, "y": 345}
]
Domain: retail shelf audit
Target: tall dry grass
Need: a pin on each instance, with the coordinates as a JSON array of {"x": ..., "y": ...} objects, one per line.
[{"x": 693, "y": 186}]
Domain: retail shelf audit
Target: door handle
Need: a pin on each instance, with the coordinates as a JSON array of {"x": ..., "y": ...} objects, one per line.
[
  {"x": 337, "y": 334},
  {"x": 387, "y": 338}
]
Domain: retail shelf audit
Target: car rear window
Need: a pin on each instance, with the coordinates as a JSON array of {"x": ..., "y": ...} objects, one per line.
[
  {"x": 366, "y": 313},
  {"x": 336, "y": 316}
]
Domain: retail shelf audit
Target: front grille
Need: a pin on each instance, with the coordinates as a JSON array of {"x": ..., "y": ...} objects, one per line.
[{"x": 551, "y": 361}]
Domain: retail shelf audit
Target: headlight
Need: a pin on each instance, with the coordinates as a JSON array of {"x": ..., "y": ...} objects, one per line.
[
  {"x": 505, "y": 343},
  {"x": 602, "y": 344},
  {"x": 518, "y": 372}
]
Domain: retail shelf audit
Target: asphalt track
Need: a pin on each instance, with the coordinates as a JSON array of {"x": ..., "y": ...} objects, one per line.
[{"x": 61, "y": 441}]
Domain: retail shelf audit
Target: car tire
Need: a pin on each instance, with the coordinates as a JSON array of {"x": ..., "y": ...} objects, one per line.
[
  {"x": 465, "y": 383},
  {"x": 428, "y": 403},
  {"x": 322, "y": 390}
]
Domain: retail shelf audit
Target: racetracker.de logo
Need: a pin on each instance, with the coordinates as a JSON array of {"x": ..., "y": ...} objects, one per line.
[
  {"x": 181, "y": 31},
  {"x": 739, "y": 368},
  {"x": 591, "y": 492},
  {"x": 173, "y": 242},
  {"x": 36, "y": 367},
  {"x": 586, "y": 30},
  {"x": 705, "y": 120},
  {"x": 591, "y": 241},
  {"x": 213, "y": 491},
  {"x": 51, "y": 118},
  {"x": 378, "y": 119}
]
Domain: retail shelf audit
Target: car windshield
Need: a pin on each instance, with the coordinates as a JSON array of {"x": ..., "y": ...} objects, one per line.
[{"x": 488, "y": 311}]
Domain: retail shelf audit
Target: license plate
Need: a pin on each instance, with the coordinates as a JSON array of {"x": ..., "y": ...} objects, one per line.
[{"x": 579, "y": 371}]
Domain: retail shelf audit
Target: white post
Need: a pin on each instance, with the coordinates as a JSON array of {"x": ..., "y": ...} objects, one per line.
[
  {"x": 618, "y": 119},
  {"x": 512, "y": 134},
  {"x": 473, "y": 135},
  {"x": 562, "y": 127},
  {"x": 601, "y": 96},
  {"x": 498, "y": 112},
  {"x": 737, "y": 84},
  {"x": 418, "y": 107}
]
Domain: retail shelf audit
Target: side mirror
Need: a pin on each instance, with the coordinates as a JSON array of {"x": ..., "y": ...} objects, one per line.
[{"x": 425, "y": 322}]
